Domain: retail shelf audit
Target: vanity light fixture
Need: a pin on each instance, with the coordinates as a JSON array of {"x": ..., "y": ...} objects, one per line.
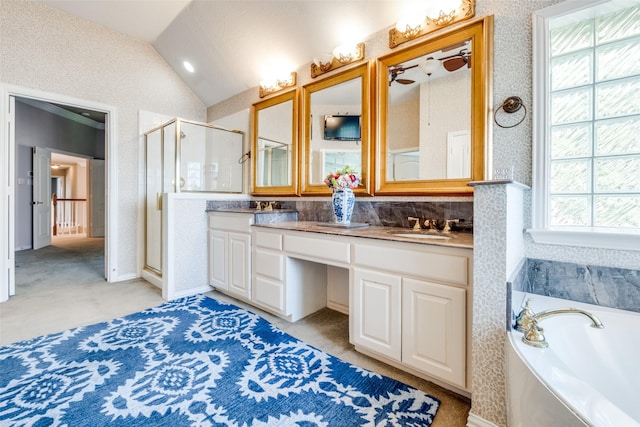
[
  {"x": 409, "y": 26},
  {"x": 441, "y": 14},
  {"x": 341, "y": 56},
  {"x": 276, "y": 84}
]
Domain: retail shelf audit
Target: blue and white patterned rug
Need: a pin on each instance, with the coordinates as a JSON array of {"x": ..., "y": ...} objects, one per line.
[{"x": 194, "y": 362}]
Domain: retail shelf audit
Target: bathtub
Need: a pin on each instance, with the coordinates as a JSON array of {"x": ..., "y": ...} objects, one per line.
[{"x": 586, "y": 376}]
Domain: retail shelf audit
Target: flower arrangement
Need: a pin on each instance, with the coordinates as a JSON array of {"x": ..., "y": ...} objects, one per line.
[{"x": 342, "y": 178}]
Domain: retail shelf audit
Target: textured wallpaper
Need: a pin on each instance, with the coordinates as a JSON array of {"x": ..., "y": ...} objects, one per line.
[{"x": 48, "y": 50}]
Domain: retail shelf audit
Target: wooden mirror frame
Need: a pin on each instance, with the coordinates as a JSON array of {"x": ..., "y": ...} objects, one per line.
[
  {"x": 480, "y": 32},
  {"x": 285, "y": 190},
  {"x": 366, "y": 71}
]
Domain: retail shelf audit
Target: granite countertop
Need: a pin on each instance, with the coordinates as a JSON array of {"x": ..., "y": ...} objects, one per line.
[
  {"x": 251, "y": 210},
  {"x": 451, "y": 239}
]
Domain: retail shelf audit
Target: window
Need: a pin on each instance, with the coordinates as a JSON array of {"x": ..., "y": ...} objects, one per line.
[{"x": 586, "y": 184}]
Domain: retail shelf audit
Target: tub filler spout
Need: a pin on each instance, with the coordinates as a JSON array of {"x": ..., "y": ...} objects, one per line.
[{"x": 534, "y": 335}]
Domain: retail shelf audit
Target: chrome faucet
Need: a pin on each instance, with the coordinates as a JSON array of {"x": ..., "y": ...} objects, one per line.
[
  {"x": 416, "y": 226},
  {"x": 534, "y": 335}
]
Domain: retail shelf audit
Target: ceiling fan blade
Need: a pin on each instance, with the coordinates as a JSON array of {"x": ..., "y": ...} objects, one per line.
[
  {"x": 453, "y": 64},
  {"x": 405, "y": 81}
]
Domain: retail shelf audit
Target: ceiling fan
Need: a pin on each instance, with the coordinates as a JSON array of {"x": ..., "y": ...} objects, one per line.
[
  {"x": 450, "y": 63},
  {"x": 395, "y": 71},
  {"x": 457, "y": 61}
]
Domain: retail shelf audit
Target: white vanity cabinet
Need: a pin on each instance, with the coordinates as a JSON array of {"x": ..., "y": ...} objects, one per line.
[
  {"x": 269, "y": 283},
  {"x": 283, "y": 284},
  {"x": 229, "y": 246},
  {"x": 409, "y": 306},
  {"x": 407, "y": 302}
]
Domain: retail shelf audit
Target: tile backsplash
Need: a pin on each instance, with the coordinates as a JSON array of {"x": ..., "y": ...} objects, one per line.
[
  {"x": 382, "y": 213},
  {"x": 605, "y": 286}
]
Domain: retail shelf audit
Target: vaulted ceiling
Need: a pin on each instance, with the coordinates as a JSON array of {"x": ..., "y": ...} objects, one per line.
[{"x": 232, "y": 44}]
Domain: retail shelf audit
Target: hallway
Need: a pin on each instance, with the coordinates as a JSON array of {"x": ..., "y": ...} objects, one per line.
[{"x": 62, "y": 286}]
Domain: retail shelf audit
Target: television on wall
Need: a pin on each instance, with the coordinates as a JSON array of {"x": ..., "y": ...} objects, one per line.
[{"x": 342, "y": 128}]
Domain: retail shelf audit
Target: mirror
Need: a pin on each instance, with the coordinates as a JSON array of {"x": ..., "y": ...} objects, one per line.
[
  {"x": 433, "y": 109},
  {"x": 336, "y": 113},
  {"x": 274, "y": 145}
]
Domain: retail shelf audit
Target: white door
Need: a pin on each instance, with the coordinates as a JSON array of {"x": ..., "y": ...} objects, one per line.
[
  {"x": 239, "y": 264},
  {"x": 218, "y": 243},
  {"x": 458, "y": 154},
  {"x": 41, "y": 197},
  {"x": 376, "y": 311},
  {"x": 97, "y": 197},
  {"x": 433, "y": 329}
]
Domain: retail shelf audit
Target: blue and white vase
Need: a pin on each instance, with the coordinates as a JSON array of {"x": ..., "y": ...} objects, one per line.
[{"x": 343, "y": 202}]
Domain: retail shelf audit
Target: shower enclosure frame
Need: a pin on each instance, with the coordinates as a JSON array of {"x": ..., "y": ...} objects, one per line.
[{"x": 172, "y": 186}]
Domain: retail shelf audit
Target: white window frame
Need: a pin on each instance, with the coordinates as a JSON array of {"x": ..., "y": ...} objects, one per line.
[{"x": 541, "y": 232}]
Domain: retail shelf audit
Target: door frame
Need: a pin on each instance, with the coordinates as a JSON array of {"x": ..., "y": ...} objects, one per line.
[{"x": 7, "y": 180}]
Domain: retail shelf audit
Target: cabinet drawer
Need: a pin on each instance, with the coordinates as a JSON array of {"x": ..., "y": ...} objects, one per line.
[
  {"x": 319, "y": 248},
  {"x": 270, "y": 264},
  {"x": 450, "y": 268},
  {"x": 231, "y": 222},
  {"x": 269, "y": 294},
  {"x": 269, "y": 240}
]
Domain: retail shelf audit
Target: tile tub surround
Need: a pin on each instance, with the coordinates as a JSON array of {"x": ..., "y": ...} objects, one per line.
[
  {"x": 383, "y": 213},
  {"x": 605, "y": 286}
]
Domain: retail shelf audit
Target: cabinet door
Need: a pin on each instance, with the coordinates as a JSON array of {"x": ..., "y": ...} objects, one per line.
[
  {"x": 239, "y": 264},
  {"x": 376, "y": 311},
  {"x": 433, "y": 329},
  {"x": 218, "y": 259}
]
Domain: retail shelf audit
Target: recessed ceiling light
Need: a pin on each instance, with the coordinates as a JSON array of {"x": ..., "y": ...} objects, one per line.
[
  {"x": 188, "y": 66},
  {"x": 86, "y": 114}
]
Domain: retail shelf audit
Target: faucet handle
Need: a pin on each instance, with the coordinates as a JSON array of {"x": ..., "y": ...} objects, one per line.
[
  {"x": 416, "y": 226},
  {"x": 525, "y": 317},
  {"x": 448, "y": 222},
  {"x": 534, "y": 336}
]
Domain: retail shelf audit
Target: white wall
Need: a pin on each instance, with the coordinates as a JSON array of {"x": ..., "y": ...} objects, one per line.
[{"x": 54, "y": 52}]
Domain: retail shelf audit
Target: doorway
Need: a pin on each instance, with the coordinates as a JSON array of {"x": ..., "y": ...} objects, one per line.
[{"x": 17, "y": 215}]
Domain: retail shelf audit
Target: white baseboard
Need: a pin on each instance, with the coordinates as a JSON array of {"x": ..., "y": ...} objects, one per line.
[
  {"x": 152, "y": 278},
  {"x": 124, "y": 277},
  {"x": 188, "y": 293},
  {"x": 476, "y": 421},
  {"x": 340, "y": 308}
]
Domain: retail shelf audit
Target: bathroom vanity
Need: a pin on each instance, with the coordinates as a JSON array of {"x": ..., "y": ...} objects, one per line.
[{"x": 407, "y": 293}]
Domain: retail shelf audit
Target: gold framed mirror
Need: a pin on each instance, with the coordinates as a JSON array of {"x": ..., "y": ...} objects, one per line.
[
  {"x": 336, "y": 120},
  {"x": 433, "y": 110},
  {"x": 274, "y": 145}
]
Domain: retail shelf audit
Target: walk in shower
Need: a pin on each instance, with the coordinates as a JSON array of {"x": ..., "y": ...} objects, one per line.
[{"x": 183, "y": 156}]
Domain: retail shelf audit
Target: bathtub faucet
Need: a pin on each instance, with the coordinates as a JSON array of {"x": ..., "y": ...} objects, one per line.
[{"x": 534, "y": 336}]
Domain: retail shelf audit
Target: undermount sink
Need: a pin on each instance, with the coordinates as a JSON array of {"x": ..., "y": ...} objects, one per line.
[{"x": 421, "y": 236}]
